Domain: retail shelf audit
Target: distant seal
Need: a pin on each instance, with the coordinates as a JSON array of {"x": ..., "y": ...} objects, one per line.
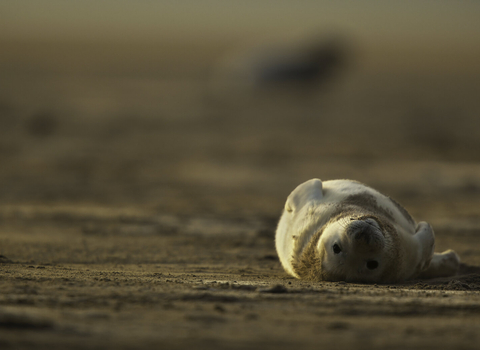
[{"x": 342, "y": 230}]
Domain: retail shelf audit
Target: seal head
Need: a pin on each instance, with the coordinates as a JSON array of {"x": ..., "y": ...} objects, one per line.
[{"x": 352, "y": 249}]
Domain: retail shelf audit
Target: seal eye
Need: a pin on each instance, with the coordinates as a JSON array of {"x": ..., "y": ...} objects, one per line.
[
  {"x": 336, "y": 249},
  {"x": 372, "y": 264}
]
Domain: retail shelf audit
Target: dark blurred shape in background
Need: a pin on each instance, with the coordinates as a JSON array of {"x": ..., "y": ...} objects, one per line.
[
  {"x": 295, "y": 66},
  {"x": 311, "y": 65},
  {"x": 41, "y": 124}
]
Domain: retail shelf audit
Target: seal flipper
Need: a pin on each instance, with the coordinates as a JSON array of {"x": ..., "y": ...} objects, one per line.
[
  {"x": 420, "y": 253},
  {"x": 309, "y": 191},
  {"x": 444, "y": 264}
]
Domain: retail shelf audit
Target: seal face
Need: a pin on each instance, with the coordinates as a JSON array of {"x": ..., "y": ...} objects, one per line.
[{"x": 342, "y": 230}]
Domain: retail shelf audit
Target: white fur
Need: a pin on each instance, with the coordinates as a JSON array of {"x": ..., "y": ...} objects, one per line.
[{"x": 310, "y": 207}]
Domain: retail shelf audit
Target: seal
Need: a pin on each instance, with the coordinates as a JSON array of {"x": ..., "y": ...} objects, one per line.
[{"x": 343, "y": 230}]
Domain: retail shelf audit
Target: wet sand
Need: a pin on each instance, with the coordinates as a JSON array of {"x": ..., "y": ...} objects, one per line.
[{"x": 138, "y": 210}]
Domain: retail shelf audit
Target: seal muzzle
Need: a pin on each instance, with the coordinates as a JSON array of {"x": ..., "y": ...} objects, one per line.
[{"x": 366, "y": 233}]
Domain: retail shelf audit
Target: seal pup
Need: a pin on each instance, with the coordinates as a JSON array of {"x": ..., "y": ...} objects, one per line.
[{"x": 343, "y": 230}]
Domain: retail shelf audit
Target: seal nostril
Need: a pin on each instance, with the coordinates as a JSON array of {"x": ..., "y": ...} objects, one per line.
[{"x": 372, "y": 264}]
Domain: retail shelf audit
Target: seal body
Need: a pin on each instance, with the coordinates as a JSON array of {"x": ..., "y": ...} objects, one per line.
[{"x": 342, "y": 230}]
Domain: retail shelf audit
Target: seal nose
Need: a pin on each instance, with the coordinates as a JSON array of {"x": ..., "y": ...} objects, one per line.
[{"x": 364, "y": 235}]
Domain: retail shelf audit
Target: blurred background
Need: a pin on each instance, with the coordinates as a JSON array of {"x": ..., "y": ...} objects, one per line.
[{"x": 214, "y": 107}]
